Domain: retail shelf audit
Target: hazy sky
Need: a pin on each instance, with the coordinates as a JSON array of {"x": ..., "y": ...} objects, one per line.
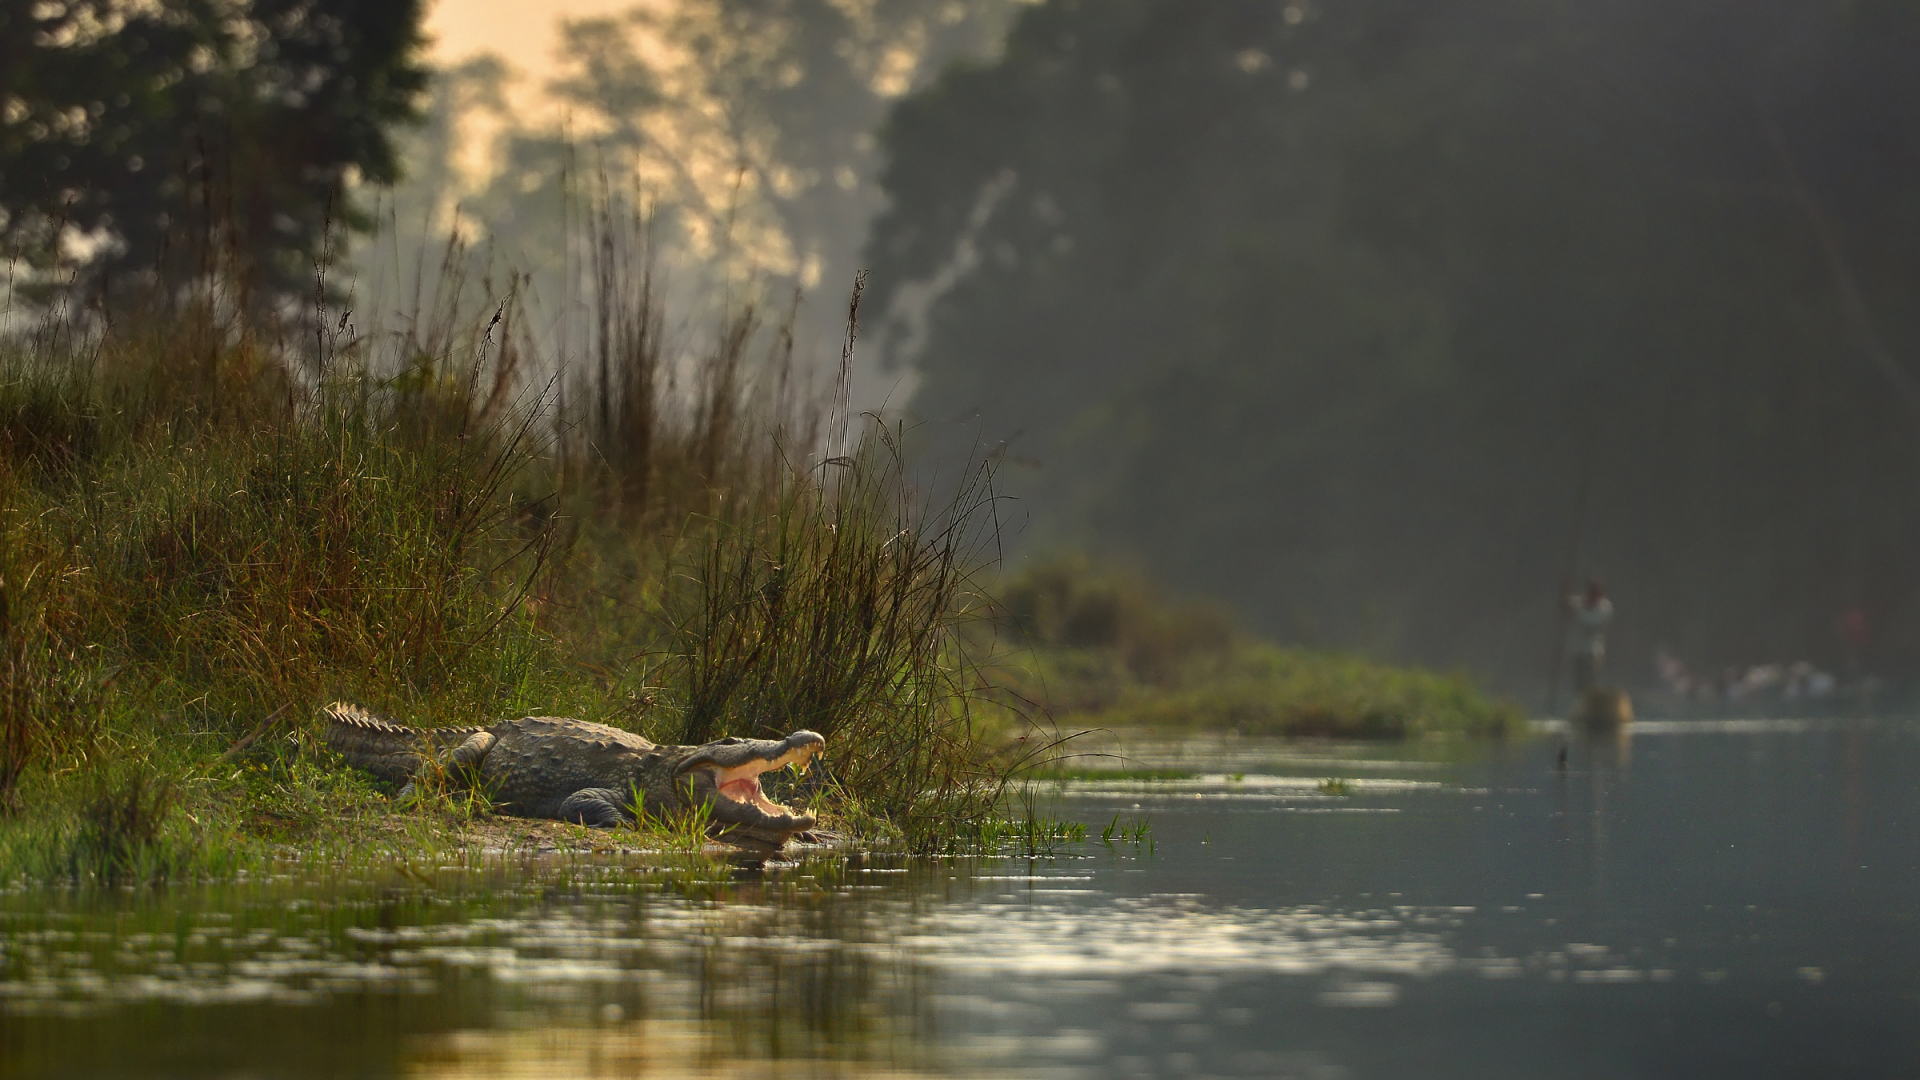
[{"x": 522, "y": 33}]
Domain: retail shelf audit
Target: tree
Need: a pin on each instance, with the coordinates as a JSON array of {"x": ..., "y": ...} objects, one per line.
[
  {"x": 742, "y": 129},
  {"x": 162, "y": 142},
  {"x": 1311, "y": 306}
]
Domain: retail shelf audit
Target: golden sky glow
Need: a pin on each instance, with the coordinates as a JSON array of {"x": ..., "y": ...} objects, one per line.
[
  {"x": 522, "y": 33},
  {"x": 718, "y": 163}
]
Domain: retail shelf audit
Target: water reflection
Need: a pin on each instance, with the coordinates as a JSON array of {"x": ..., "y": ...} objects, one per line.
[
  {"x": 580, "y": 961},
  {"x": 664, "y": 1048},
  {"x": 1132, "y": 935},
  {"x": 1714, "y": 892}
]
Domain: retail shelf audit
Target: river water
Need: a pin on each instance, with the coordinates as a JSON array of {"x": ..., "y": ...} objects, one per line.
[{"x": 1715, "y": 899}]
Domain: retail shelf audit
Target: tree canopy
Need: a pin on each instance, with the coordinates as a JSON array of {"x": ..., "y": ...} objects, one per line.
[
  {"x": 742, "y": 130},
  {"x": 156, "y": 139},
  {"x": 1325, "y": 308}
]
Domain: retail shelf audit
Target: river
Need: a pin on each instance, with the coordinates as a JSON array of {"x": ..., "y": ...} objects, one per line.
[{"x": 1730, "y": 898}]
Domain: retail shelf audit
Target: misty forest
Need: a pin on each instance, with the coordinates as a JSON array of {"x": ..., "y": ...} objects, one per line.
[
  {"x": 1353, "y": 318},
  {"x": 1326, "y": 312},
  {"x": 1416, "y": 500}
]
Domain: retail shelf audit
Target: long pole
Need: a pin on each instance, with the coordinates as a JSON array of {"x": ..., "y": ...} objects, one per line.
[{"x": 1582, "y": 489}]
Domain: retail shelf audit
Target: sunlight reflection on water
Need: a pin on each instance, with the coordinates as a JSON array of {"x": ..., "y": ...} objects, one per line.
[
  {"x": 1136, "y": 935},
  {"x": 676, "y": 1048},
  {"x": 1719, "y": 884},
  {"x": 1122, "y": 935}
]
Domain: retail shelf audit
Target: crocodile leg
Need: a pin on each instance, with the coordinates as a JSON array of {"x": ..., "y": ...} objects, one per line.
[
  {"x": 462, "y": 762},
  {"x": 467, "y": 755},
  {"x": 598, "y": 807}
]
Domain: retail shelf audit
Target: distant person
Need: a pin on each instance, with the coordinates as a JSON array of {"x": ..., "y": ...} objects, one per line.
[
  {"x": 1591, "y": 611},
  {"x": 1856, "y": 632}
]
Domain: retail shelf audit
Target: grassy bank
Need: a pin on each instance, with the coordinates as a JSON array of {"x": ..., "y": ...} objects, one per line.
[
  {"x": 211, "y": 526},
  {"x": 1102, "y": 648}
]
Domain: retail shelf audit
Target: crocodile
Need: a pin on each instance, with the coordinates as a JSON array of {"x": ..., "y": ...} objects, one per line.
[{"x": 572, "y": 770}]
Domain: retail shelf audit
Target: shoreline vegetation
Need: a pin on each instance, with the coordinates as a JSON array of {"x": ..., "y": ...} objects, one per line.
[
  {"x": 1102, "y": 648},
  {"x": 210, "y": 527}
]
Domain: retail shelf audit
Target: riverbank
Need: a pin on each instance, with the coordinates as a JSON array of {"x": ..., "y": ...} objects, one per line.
[
  {"x": 1100, "y": 647},
  {"x": 207, "y": 533},
  {"x": 210, "y": 528},
  {"x": 1306, "y": 902}
]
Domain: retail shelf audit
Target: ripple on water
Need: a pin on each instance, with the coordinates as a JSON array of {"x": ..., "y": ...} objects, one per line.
[
  {"x": 1064, "y": 933},
  {"x": 1161, "y": 933}
]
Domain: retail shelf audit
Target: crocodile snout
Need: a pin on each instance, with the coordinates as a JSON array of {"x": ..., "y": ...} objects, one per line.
[{"x": 726, "y": 776}]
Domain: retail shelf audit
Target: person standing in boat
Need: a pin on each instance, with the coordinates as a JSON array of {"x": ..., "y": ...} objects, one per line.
[{"x": 1591, "y": 611}]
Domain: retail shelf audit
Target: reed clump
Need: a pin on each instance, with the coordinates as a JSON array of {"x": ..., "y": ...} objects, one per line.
[
  {"x": 840, "y": 608},
  {"x": 210, "y": 526},
  {"x": 121, "y": 829}
]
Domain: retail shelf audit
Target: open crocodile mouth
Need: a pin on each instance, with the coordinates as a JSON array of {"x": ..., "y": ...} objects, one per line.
[
  {"x": 741, "y": 783},
  {"x": 729, "y": 773}
]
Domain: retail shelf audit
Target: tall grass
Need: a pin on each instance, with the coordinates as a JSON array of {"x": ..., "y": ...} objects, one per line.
[
  {"x": 258, "y": 555},
  {"x": 46, "y": 672},
  {"x": 49, "y": 675},
  {"x": 209, "y": 523},
  {"x": 839, "y": 608}
]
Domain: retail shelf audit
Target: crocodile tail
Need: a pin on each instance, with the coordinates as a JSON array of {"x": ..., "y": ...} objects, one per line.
[
  {"x": 388, "y": 750},
  {"x": 360, "y": 736}
]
